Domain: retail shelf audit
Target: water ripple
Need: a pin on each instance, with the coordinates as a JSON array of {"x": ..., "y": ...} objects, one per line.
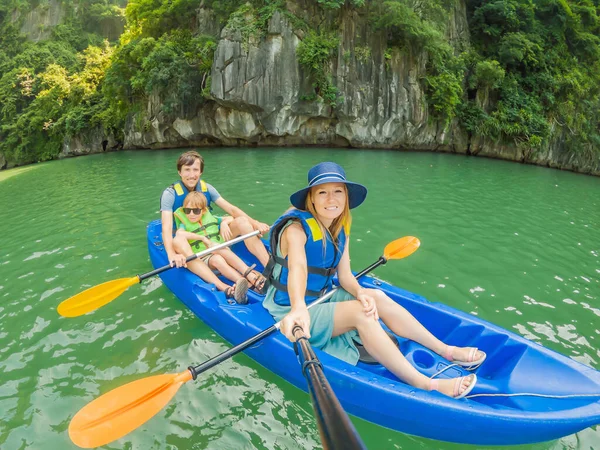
[{"x": 515, "y": 245}]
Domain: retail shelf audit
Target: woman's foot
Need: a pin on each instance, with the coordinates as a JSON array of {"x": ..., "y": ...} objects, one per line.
[
  {"x": 454, "y": 387},
  {"x": 468, "y": 357}
]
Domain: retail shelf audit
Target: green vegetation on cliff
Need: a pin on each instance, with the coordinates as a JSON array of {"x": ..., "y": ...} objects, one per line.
[
  {"x": 530, "y": 74},
  {"x": 50, "y": 88},
  {"x": 546, "y": 73}
]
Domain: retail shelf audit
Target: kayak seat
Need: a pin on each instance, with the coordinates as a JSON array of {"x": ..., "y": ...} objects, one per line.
[{"x": 363, "y": 354}]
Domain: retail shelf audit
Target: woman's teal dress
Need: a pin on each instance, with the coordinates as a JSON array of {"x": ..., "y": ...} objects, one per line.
[{"x": 321, "y": 321}]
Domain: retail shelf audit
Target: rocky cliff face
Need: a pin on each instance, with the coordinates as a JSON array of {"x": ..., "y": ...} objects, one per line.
[
  {"x": 94, "y": 140},
  {"x": 259, "y": 90},
  {"x": 258, "y": 96},
  {"x": 38, "y": 23}
]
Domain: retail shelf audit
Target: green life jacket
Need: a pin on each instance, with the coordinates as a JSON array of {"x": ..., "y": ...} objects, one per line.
[{"x": 209, "y": 228}]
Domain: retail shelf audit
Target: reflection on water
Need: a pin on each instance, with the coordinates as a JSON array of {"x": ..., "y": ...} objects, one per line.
[{"x": 515, "y": 245}]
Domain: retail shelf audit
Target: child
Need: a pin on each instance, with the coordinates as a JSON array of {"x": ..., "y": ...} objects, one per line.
[{"x": 196, "y": 224}]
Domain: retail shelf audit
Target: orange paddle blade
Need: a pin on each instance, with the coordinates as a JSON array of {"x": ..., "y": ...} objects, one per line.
[
  {"x": 123, "y": 409},
  {"x": 401, "y": 248},
  {"x": 95, "y": 297}
]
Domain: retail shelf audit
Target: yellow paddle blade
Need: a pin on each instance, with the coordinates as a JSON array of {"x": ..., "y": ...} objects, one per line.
[
  {"x": 401, "y": 248},
  {"x": 116, "y": 413},
  {"x": 95, "y": 297}
]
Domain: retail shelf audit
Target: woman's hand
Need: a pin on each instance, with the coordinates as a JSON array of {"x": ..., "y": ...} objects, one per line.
[
  {"x": 297, "y": 316},
  {"x": 367, "y": 298},
  {"x": 225, "y": 231}
]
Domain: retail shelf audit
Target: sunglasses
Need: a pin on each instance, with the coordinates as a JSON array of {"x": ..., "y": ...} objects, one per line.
[{"x": 194, "y": 210}]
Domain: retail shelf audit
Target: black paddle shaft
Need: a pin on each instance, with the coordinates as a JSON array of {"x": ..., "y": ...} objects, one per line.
[
  {"x": 197, "y": 370},
  {"x": 336, "y": 429}
]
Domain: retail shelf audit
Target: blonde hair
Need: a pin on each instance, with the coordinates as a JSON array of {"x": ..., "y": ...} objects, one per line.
[
  {"x": 195, "y": 199},
  {"x": 343, "y": 221}
]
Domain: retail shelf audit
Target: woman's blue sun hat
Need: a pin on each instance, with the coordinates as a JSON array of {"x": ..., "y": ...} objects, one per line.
[{"x": 329, "y": 172}]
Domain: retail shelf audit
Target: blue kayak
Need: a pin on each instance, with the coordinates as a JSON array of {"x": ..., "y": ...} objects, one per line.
[{"x": 566, "y": 394}]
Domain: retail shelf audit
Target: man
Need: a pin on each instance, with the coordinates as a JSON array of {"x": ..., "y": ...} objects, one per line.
[{"x": 190, "y": 167}]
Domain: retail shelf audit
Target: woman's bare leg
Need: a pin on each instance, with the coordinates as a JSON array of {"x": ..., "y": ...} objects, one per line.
[
  {"x": 350, "y": 315},
  {"x": 403, "y": 323}
]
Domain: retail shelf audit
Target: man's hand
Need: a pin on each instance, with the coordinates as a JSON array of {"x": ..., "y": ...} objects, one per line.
[
  {"x": 262, "y": 227},
  {"x": 177, "y": 260}
]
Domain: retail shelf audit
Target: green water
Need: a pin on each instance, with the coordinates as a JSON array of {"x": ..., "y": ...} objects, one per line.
[{"x": 516, "y": 245}]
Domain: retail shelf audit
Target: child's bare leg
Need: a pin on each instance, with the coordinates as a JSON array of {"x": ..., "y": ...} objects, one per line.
[
  {"x": 198, "y": 266},
  {"x": 255, "y": 279},
  {"x": 218, "y": 262},
  {"x": 233, "y": 260}
]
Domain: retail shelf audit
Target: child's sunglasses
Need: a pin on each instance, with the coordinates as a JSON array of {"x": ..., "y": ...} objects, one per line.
[{"x": 194, "y": 210}]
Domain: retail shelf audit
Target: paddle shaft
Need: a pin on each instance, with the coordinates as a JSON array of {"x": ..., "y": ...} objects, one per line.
[
  {"x": 197, "y": 370},
  {"x": 336, "y": 429},
  {"x": 200, "y": 254}
]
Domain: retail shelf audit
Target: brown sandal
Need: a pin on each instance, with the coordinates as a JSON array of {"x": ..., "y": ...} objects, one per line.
[
  {"x": 239, "y": 291},
  {"x": 259, "y": 281}
]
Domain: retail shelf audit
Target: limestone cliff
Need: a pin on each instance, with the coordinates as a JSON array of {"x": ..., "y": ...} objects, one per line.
[
  {"x": 259, "y": 96},
  {"x": 94, "y": 140},
  {"x": 37, "y": 24},
  {"x": 259, "y": 93}
]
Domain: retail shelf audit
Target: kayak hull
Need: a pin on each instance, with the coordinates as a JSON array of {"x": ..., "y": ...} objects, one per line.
[{"x": 514, "y": 366}]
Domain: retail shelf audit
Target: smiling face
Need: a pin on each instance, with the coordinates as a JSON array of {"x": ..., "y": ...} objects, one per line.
[
  {"x": 190, "y": 175},
  {"x": 329, "y": 201},
  {"x": 194, "y": 206}
]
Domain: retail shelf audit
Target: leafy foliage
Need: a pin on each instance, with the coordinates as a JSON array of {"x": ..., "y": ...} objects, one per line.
[
  {"x": 157, "y": 17},
  {"x": 336, "y": 4},
  {"x": 42, "y": 108},
  {"x": 315, "y": 53},
  {"x": 550, "y": 53},
  {"x": 536, "y": 61},
  {"x": 531, "y": 74},
  {"x": 421, "y": 30},
  {"x": 174, "y": 66}
]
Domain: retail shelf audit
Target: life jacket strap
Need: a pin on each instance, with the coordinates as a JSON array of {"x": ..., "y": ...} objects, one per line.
[
  {"x": 268, "y": 273},
  {"x": 208, "y": 235},
  {"x": 330, "y": 271},
  {"x": 204, "y": 227},
  {"x": 196, "y": 244},
  {"x": 282, "y": 287},
  {"x": 271, "y": 280}
]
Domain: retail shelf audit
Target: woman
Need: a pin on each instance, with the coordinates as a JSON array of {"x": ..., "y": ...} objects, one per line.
[{"x": 308, "y": 245}]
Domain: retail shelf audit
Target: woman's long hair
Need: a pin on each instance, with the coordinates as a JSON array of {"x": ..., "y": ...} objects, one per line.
[{"x": 343, "y": 221}]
